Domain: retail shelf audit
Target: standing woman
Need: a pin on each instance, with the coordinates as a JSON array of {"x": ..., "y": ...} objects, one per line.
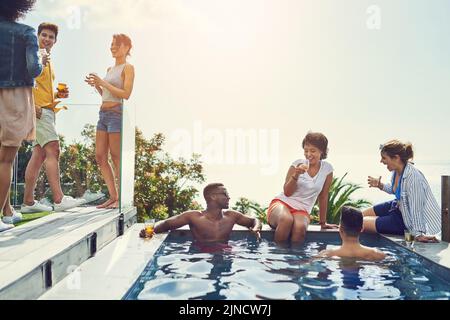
[
  {"x": 306, "y": 181},
  {"x": 114, "y": 88},
  {"x": 414, "y": 207},
  {"x": 19, "y": 66}
]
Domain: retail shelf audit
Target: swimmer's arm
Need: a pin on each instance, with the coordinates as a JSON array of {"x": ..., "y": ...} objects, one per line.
[
  {"x": 379, "y": 255},
  {"x": 249, "y": 222},
  {"x": 253, "y": 224},
  {"x": 174, "y": 222}
]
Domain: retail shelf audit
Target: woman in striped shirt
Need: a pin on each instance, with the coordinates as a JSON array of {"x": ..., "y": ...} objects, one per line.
[{"x": 414, "y": 207}]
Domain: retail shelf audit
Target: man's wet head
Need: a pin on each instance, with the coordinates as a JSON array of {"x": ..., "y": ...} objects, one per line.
[
  {"x": 216, "y": 195},
  {"x": 351, "y": 222}
]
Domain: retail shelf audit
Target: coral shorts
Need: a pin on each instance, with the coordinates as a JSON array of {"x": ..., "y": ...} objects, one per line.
[
  {"x": 17, "y": 116},
  {"x": 293, "y": 211}
]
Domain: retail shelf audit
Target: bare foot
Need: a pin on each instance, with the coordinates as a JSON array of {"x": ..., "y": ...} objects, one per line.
[
  {"x": 106, "y": 204},
  {"x": 114, "y": 205}
]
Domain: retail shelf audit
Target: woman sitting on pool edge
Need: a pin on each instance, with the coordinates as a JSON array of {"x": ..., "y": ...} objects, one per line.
[
  {"x": 414, "y": 207},
  {"x": 306, "y": 180}
]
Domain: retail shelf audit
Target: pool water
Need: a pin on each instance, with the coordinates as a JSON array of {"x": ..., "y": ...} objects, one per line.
[{"x": 245, "y": 269}]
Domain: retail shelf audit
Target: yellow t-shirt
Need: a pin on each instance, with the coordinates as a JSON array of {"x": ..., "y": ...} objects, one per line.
[{"x": 43, "y": 93}]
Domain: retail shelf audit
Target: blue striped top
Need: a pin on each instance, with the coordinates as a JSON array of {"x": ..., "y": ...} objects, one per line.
[{"x": 420, "y": 210}]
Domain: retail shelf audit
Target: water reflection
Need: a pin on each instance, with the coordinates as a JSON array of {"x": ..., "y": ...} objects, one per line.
[{"x": 249, "y": 270}]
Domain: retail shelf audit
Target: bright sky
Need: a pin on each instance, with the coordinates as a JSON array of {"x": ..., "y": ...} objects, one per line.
[{"x": 208, "y": 71}]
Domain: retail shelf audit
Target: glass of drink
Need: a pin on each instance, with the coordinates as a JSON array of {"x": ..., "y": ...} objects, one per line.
[
  {"x": 62, "y": 87},
  {"x": 305, "y": 165},
  {"x": 149, "y": 226},
  {"x": 90, "y": 78},
  {"x": 408, "y": 236},
  {"x": 42, "y": 53}
]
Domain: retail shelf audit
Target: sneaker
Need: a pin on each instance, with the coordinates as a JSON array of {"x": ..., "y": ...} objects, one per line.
[
  {"x": 16, "y": 217},
  {"x": 68, "y": 203},
  {"x": 90, "y": 196},
  {"x": 46, "y": 202},
  {"x": 35, "y": 208},
  {"x": 5, "y": 226}
]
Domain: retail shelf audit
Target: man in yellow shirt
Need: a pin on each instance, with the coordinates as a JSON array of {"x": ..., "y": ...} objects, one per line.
[{"x": 46, "y": 145}]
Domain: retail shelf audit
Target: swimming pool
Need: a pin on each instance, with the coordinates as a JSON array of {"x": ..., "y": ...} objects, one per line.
[{"x": 247, "y": 270}]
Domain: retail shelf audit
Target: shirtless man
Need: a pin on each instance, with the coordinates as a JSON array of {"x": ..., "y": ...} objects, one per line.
[
  {"x": 350, "y": 228},
  {"x": 212, "y": 225}
]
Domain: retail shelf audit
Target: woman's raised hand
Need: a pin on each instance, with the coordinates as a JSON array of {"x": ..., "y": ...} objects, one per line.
[
  {"x": 89, "y": 81},
  {"x": 374, "y": 182}
]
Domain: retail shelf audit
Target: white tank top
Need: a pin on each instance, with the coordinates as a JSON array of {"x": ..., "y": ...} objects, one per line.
[
  {"x": 113, "y": 77},
  {"x": 308, "y": 188}
]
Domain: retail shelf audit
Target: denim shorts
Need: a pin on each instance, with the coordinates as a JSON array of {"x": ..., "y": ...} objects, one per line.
[
  {"x": 110, "y": 120},
  {"x": 390, "y": 220}
]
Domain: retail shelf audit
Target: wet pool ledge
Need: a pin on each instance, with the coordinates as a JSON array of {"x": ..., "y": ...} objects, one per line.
[{"x": 437, "y": 252}]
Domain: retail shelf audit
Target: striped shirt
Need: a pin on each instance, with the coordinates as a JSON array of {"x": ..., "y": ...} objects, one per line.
[{"x": 420, "y": 210}]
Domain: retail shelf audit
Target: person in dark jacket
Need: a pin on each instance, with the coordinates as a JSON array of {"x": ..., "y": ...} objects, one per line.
[{"x": 19, "y": 65}]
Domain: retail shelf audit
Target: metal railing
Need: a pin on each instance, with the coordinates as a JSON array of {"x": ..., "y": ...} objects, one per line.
[{"x": 445, "y": 199}]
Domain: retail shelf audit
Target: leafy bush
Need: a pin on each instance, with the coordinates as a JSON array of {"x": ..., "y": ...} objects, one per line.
[
  {"x": 252, "y": 208},
  {"x": 338, "y": 197}
]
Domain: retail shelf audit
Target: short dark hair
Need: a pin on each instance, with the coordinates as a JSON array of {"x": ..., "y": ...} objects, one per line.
[
  {"x": 123, "y": 39},
  {"x": 14, "y": 9},
  {"x": 49, "y": 26},
  {"x": 351, "y": 221},
  {"x": 319, "y": 141},
  {"x": 210, "y": 188}
]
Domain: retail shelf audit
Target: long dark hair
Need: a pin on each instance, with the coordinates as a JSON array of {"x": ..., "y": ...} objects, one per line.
[
  {"x": 397, "y": 148},
  {"x": 14, "y": 9}
]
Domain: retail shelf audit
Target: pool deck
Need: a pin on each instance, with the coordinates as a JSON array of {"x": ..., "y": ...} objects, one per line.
[
  {"x": 37, "y": 255},
  {"x": 115, "y": 268}
]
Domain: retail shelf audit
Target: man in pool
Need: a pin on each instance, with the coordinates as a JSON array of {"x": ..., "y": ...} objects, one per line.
[
  {"x": 212, "y": 225},
  {"x": 350, "y": 228}
]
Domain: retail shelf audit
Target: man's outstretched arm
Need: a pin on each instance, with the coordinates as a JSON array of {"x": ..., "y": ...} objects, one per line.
[
  {"x": 171, "y": 223},
  {"x": 252, "y": 223}
]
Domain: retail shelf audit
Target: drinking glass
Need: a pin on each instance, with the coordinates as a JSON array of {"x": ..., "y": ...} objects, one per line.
[
  {"x": 305, "y": 165},
  {"x": 149, "y": 226},
  {"x": 409, "y": 238},
  {"x": 94, "y": 90}
]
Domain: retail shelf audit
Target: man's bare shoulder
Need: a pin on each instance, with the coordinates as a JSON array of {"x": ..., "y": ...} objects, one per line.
[
  {"x": 374, "y": 254},
  {"x": 378, "y": 255},
  {"x": 233, "y": 213},
  {"x": 192, "y": 213}
]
